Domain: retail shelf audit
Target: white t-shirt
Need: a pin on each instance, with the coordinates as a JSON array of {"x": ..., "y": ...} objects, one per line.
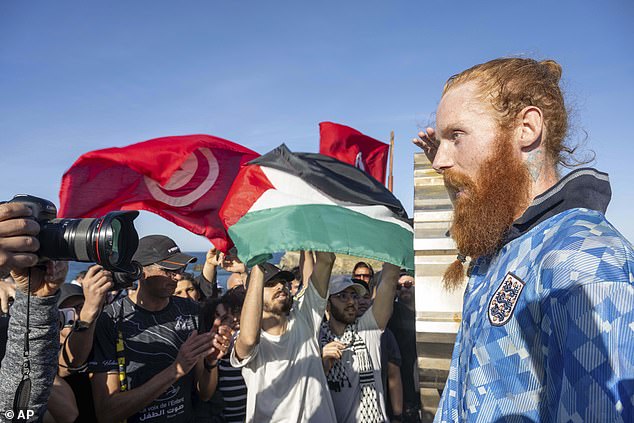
[
  {"x": 284, "y": 374},
  {"x": 348, "y": 400}
]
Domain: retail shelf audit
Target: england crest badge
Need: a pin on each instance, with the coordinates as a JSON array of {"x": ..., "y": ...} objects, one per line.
[{"x": 504, "y": 300}]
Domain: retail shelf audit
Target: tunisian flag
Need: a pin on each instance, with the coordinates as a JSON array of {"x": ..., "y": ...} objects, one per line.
[
  {"x": 184, "y": 179},
  {"x": 351, "y": 146}
]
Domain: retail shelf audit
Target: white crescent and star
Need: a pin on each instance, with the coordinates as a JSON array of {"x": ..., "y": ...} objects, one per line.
[{"x": 182, "y": 177}]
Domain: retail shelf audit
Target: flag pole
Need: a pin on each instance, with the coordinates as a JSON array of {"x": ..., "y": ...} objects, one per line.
[{"x": 390, "y": 179}]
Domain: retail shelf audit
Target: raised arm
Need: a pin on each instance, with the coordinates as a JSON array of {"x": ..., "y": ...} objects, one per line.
[
  {"x": 321, "y": 274},
  {"x": 207, "y": 279},
  {"x": 77, "y": 348},
  {"x": 251, "y": 317},
  {"x": 306, "y": 265},
  {"x": 384, "y": 302}
]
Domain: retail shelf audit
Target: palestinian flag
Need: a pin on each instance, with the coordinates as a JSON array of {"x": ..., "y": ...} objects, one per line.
[{"x": 286, "y": 201}]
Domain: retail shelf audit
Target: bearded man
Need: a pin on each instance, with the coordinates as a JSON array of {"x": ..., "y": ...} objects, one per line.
[
  {"x": 547, "y": 331},
  {"x": 351, "y": 347},
  {"x": 277, "y": 346}
]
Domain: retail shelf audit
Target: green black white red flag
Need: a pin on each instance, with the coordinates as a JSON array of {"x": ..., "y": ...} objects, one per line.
[{"x": 285, "y": 201}]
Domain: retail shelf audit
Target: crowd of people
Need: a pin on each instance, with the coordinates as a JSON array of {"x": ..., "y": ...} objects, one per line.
[
  {"x": 168, "y": 348},
  {"x": 546, "y": 331}
]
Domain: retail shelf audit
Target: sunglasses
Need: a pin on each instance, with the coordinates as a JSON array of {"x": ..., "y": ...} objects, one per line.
[
  {"x": 179, "y": 271},
  {"x": 406, "y": 284}
]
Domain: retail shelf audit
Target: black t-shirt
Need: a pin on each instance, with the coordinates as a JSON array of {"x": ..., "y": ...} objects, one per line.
[
  {"x": 152, "y": 341},
  {"x": 403, "y": 325}
]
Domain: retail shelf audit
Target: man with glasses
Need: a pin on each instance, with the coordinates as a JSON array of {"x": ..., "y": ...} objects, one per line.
[
  {"x": 148, "y": 353},
  {"x": 364, "y": 272},
  {"x": 351, "y": 347}
]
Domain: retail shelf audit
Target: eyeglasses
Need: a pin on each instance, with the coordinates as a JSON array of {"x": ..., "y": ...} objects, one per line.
[
  {"x": 362, "y": 276},
  {"x": 346, "y": 296},
  {"x": 170, "y": 272}
]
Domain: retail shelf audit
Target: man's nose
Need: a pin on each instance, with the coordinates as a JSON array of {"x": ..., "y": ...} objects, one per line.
[{"x": 443, "y": 159}]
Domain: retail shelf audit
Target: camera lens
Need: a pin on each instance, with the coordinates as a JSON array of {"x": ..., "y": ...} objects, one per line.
[{"x": 110, "y": 241}]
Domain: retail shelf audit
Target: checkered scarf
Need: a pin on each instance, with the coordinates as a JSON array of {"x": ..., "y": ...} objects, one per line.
[{"x": 338, "y": 378}]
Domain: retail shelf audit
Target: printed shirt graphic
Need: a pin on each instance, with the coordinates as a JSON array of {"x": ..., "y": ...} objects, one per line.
[
  {"x": 152, "y": 341},
  {"x": 564, "y": 352}
]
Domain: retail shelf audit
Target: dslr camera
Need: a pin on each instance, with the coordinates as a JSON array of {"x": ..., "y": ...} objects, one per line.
[{"x": 109, "y": 241}]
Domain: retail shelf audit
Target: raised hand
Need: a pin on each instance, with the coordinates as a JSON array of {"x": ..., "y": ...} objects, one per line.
[
  {"x": 17, "y": 237},
  {"x": 96, "y": 285},
  {"x": 428, "y": 143},
  {"x": 214, "y": 257},
  {"x": 234, "y": 265}
]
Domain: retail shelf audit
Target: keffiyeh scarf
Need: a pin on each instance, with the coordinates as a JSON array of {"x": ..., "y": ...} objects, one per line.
[{"x": 338, "y": 375}]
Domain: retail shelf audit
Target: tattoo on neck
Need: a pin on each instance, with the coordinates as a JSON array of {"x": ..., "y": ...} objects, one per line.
[{"x": 535, "y": 164}]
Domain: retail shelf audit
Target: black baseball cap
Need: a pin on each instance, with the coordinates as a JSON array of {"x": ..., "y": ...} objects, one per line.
[
  {"x": 161, "y": 250},
  {"x": 69, "y": 290},
  {"x": 274, "y": 273}
]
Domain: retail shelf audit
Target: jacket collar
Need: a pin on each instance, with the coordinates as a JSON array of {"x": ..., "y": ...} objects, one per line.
[{"x": 582, "y": 188}]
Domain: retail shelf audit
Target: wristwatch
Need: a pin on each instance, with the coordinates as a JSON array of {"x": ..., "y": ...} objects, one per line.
[
  {"x": 209, "y": 367},
  {"x": 80, "y": 325}
]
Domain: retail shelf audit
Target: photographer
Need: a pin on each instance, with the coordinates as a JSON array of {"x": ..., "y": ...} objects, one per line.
[
  {"x": 76, "y": 347},
  {"x": 17, "y": 247}
]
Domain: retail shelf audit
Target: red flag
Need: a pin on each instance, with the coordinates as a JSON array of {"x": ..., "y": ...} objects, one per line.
[
  {"x": 351, "y": 146},
  {"x": 184, "y": 179}
]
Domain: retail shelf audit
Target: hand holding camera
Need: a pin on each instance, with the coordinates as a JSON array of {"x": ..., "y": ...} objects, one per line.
[
  {"x": 45, "y": 279},
  {"x": 96, "y": 285},
  {"x": 31, "y": 234},
  {"x": 18, "y": 243}
]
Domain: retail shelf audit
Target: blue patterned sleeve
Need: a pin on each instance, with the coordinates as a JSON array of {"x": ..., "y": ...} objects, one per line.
[{"x": 588, "y": 329}]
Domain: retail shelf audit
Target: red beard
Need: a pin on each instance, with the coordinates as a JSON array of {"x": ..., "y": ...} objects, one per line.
[{"x": 486, "y": 208}]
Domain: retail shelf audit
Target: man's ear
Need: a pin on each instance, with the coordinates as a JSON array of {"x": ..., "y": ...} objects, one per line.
[
  {"x": 530, "y": 128},
  {"x": 143, "y": 275}
]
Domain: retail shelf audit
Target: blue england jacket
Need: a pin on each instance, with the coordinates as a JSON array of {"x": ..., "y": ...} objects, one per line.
[{"x": 548, "y": 322}]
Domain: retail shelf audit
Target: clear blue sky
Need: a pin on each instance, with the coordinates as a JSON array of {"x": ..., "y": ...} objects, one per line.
[{"x": 77, "y": 76}]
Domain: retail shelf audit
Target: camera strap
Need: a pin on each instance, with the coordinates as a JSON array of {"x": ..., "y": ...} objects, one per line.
[
  {"x": 120, "y": 348},
  {"x": 23, "y": 393}
]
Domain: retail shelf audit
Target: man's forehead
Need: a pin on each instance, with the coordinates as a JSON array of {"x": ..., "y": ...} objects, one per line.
[{"x": 459, "y": 104}]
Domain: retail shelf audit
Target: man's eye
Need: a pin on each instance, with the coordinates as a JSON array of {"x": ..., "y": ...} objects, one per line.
[{"x": 455, "y": 135}]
